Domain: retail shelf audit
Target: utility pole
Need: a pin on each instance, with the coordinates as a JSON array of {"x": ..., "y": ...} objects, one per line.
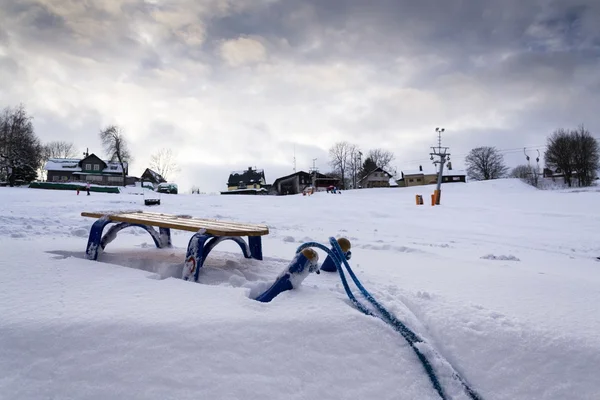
[
  {"x": 353, "y": 158},
  {"x": 294, "y": 158},
  {"x": 314, "y": 171},
  {"x": 359, "y": 162},
  {"x": 442, "y": 153},
  {"x": 529, "y": 170}
]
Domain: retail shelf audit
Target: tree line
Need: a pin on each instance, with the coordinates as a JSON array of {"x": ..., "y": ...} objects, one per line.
[
  {"x": 574, "y": 154},
  {"x": 20, "y": 149},
  {"x": 23, "y": 156},
  {"x": 348, "y": 164}
]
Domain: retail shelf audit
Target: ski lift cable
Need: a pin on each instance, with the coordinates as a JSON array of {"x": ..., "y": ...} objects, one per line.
[{"x": 502, "y": 151}]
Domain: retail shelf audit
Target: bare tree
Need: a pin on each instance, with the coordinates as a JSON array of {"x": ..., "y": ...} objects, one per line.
[
  {"x": 60, "y": 149},
  {"x": 354, "y": 164},
  {"x": 526, "y": 173},
  {"x": 521, "y": 172},
  {"x": 575, "y": 154},
  {"x": 340, "y": 158},
  {"x": 164, "y": 162},
  {"x": 20, "y": 149},
  {"x": 586, "y": 157},
  {"x": 382, "y": 158},
  {"x": 56, "y": 149},
  {"x": 559, "y": 154},
  {"x": 485, "y": 163},
  {"x": 116, "y": 148}
]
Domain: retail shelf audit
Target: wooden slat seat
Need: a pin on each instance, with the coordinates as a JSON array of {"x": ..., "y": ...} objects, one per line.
[{"x": 212, "y": 227}]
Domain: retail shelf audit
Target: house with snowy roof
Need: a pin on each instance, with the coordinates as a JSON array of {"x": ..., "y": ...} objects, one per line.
[
  {"x": 300, "y": 180},
  {"x": 153, "y": 177},
  {"x": 375, "y": 178},
  {"x": 420, "y": 177},
  {"x": 250, "y": 181},
  {"x": 90, "y": 169}
]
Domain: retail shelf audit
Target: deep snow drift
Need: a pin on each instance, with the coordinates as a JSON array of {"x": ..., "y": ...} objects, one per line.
[{"x": 501, "y": 279}]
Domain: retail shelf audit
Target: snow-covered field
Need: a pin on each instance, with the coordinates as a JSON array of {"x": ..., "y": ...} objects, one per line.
[{"x": 502, "y": 280}]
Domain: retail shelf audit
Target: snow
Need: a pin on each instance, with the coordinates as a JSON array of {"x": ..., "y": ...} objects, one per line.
[
  {"x": 452, "y": 172},
  {"x": 60, "y": 164},
  {"x": 416, "y": 172},
  {"x": 114, "y": 167},
  {"x": 72, "y": 165},
  {"x": 446, "y": 172},
  {"x": 501, "y": 280}
]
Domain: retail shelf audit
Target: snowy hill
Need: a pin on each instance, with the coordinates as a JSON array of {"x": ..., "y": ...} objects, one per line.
[{"x": 502, "y": 279}]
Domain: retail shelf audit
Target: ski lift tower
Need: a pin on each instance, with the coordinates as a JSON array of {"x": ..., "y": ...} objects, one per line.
[
  {"x": 534, "y": 173},
  {"x": 442, "y": 153}
]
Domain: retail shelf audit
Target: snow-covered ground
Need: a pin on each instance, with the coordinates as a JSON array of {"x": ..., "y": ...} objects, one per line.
[{"x": 502, "y": 280}]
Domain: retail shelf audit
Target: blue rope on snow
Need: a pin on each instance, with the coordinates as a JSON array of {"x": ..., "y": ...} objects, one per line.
[{"x": 337, "y": 255}]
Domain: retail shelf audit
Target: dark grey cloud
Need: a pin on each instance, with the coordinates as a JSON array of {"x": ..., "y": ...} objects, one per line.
[
  {"x": 9, "y": 68},
  {"x": 151, "y": 60},
  {"x": 39, "y": 19},
  {"x": 459, "y": 35},
  {"x": 83, "y": 29},
  {"x": 34, "y": 24},
  {"x": 4, "y": 38},
  {"x": 377, "y": 30},
  {"x": 380, "y": 74}
]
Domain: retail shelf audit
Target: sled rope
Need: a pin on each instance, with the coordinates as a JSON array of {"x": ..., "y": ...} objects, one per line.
[{"x": 339, "y": 259}]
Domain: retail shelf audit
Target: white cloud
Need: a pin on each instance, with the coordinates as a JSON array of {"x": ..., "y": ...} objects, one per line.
[{"x": 242, "y": 51}]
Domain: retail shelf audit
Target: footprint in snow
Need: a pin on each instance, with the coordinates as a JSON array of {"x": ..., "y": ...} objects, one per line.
[
  {"x": 424, "y": 295},
  {"x": 501, "y": 258},
  {"x": 79, "y": 232}
]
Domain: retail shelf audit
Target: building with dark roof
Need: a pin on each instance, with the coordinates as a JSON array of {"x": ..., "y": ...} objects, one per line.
[
  {"x": 250, "y": 181},
  {"x": 90, "y": 169},
  {"x": 375, "y": 178},
  {"x": 419, "y": 177},
  {"x": 298, "y": 181},
  {"x": 153, "y": 177}
]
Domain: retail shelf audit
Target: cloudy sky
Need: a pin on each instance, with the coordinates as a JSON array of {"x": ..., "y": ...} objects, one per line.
[{"x": 228, "y": 84}]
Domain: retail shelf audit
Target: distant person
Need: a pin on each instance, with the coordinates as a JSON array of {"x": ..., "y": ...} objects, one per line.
[{"x": 87, "y": 188}]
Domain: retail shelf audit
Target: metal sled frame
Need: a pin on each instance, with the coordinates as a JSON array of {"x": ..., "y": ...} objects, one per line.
[{"x": 208, "y": 233}]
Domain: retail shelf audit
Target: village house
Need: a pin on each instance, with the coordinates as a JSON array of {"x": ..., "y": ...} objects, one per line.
[
  {"x": 419, "y": 177},
  {"x": 90, "y": 169},
  {"x": 298, "y": 181},
  {"x": 376, "y": 178},
  {"x": 250, "y": 181},
  {"x": 152, "y": 177}
]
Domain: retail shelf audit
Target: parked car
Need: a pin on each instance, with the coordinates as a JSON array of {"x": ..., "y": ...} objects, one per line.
[{"x": 169, "y": 188}]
